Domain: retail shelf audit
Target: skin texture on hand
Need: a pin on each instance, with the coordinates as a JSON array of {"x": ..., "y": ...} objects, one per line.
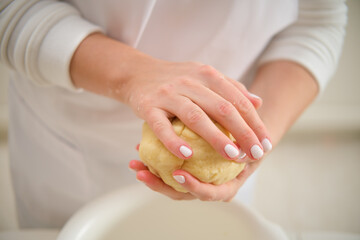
[
  {"x": 158, "y": 90},
  {"x": 286, "y": 89}
]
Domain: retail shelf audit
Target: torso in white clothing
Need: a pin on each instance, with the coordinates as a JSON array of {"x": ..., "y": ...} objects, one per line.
[{"x": 229, "y": 35}]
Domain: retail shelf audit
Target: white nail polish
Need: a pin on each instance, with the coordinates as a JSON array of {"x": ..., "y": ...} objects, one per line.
[
  {"x": 179, "y": 179},
  {"x": 256, "y": 152},
  {"x": 185, "y": 151},
  {"x": 242, "y": 154},
  {"x": 266, "y": 144},
  {"x": 231, "y": 151},
  {"x": 254, "y": 96}
]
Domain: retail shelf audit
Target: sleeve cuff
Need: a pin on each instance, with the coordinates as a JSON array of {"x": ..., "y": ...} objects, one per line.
[
  {"x": 307, "y": 59},
  {"x": 58, "y": 47}
]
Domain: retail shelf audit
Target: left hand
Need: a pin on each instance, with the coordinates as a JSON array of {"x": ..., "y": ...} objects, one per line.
[{"x": 197, "y": 189}]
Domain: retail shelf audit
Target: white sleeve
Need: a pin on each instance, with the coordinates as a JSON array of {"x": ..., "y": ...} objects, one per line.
[
  {"x": 314, "y": 40},
  {"x": 38, "y": 39}
]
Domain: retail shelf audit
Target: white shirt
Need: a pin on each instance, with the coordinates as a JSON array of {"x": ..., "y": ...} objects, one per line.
[{"x": 38, "y": 39}]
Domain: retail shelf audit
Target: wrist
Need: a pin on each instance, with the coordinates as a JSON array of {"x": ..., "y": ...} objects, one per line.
[
  {"x": 286, "y": 89},
  {"x": 105, "y": 66}
]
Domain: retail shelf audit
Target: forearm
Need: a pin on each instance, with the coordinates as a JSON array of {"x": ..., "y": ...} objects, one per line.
[
  {"x": 103, "y": 66},
  {"x": 286, "y": 89}
]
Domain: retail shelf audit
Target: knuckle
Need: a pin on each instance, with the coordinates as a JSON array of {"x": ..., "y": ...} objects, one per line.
[
  {"x": 186, "y": 81},
  {"x": 225, "y": 108},
  {"x": 145, "y": 102},
  {"x": 158, "y": 126},
  {"x": 145, "y": 107},
  {"x": 194, "y": 115},
  {"x": 244, "y": 105},
  {"x": 259, "y": 128},
  {"x": 147, "y": 110},
  {"x": 247, "y": 135},
  {"x": 166, "y": 90},
  {"x": 208, "y": 71}
]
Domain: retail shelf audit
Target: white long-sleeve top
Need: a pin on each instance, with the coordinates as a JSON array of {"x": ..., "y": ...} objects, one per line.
[{"x": 38, "y": 39}]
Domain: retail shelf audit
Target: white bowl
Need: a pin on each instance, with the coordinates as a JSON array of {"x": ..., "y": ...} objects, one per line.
[{"x": 138, "y": 213}]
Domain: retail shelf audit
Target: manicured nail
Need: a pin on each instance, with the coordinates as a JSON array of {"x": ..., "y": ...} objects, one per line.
[
  {"x": 254, "y": 96},
  {"x": 266, "y": 144},
  {"x": 231, "y": 151},
  {"x": 179, "y": 178},
  {"x": 256, "y": 152},
  {"x": 185, "y": 151},
  {"x": 242, "y": 154}
]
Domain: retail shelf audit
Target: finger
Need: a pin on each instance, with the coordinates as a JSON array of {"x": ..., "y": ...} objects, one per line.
[
  {"x": 248, "y": 112},
  {"x": 256, "y": 124},
  {"x": 239, "y": 97},
  {"x": 212, "y": 76},
  {"x": 198, "y": 121},
  {"x": 157, "y": 185},
  {"x": 243, "y": 103},
  {"x": 227, "y": 115},
  {"x": 204, "y": 191},
  {"x": 254, "y": 99},
  {"x": 137, "y": 165},
  {"x": 164, "y": 131}
]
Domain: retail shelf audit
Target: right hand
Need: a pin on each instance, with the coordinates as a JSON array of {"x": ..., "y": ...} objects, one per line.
[
  {"x": 194, "y": 93},
  {"x": 158, "y": 90}
]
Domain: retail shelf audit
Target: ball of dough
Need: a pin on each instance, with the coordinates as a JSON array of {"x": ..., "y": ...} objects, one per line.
[{"x": 206, "y": 164}]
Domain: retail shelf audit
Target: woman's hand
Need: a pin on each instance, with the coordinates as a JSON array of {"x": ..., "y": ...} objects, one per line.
[
  {"x": 197, "y": 189},
  {"x": 196, "y": 93},
  {"x": 279, "y": 112},
  {"x": 158, "y": 90}
]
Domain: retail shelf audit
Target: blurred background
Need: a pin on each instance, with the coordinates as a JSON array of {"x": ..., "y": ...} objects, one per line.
[{"x": 311, "y": 181}]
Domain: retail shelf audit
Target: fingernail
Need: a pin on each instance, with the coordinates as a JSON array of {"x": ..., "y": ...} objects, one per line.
[
  {"x": 179, "y": 178},
  {"x": 231, "y": 151},
  {"x": 242, "y": 154},
  {"x": 185, "y": 151},
  {"x": 266, "y": 144},
  {"x": 254, "y": 96},
  {"x": 256, "y": 152}
]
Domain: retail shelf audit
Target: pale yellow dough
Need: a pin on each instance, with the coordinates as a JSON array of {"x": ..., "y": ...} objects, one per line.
[{"x": 205, "y": 164}]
